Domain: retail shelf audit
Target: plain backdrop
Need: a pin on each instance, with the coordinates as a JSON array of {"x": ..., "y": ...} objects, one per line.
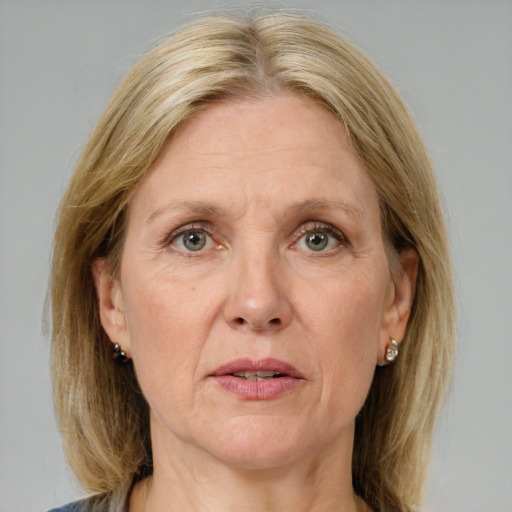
[{"x": 60, "y": 62}]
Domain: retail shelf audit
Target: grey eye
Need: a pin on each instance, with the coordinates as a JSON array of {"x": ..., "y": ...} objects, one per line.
[
  {"x": 317, "y": 240},
  {"x": 194, "y": 240}
]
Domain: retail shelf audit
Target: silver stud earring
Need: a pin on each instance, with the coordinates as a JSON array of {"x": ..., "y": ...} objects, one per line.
[{"x": 391, "y": 351}]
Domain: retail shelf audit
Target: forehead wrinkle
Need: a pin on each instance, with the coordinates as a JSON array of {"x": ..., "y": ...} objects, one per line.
[{"x": 223, "y": 158}]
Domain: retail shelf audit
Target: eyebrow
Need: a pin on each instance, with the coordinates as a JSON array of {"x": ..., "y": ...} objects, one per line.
[
  {"x": 197, "y": 207},
  {"x": 325, "y": 204},
  {"x": 206, "y": 209}
]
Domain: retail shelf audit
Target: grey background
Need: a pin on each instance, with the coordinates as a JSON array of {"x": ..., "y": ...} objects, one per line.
[{"x": 61, "y": 60}]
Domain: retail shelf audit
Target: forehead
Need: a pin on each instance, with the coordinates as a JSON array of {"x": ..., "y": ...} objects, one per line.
[
  {"x": 273, "y": 151},
  {"x": 261, "y": 127}
]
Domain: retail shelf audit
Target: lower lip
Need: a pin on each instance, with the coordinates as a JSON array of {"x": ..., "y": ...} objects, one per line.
[{"x": 257, "y": 390}]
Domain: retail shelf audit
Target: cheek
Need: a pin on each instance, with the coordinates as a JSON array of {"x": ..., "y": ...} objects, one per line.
[
  {"x": 348, "y": 313},
  {"x": 346, "y": 326},
  {"x": 163, "y": 308},
  {"x": 167, "y": 327}
]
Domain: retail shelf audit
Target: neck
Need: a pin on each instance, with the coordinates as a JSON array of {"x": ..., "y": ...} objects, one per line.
[{"x": 189, "y": 480}]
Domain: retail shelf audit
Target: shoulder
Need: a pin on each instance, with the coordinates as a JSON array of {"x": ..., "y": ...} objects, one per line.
[{"x": 76, "y": 506}]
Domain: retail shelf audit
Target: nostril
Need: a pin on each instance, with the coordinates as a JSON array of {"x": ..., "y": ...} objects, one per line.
[{"x": 273, "y": 321}]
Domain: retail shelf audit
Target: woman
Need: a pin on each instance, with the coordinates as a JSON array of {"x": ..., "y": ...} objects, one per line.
[{"x": 253, "y": 232}]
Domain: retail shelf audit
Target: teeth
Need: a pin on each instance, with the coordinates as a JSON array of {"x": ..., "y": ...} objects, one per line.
[
  {"x": 261, "y": 373},
  {"x": 257, "y": 376}
]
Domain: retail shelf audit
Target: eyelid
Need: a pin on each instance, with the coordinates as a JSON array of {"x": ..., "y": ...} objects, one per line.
[
  {"x": 212, "y": 231},
  {"x": 315, "y": 225},
  {"x": 204, "y": 226},
  {"x": 330, "y": 229}
]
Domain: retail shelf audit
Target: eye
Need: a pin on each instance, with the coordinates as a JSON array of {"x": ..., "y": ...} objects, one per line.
[
  {"x": 192, "y": 240},
  {"x": 316, "y": 241},
  {"x": 320, "y": 238}
]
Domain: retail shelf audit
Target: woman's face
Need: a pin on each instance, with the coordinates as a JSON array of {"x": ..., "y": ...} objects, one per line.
[{"x": 255, "y": 244}]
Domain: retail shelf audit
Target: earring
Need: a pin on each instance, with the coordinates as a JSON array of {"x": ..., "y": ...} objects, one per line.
[
  {"x": 391, "y": 351},
  {"x": 119, "y": 354}
]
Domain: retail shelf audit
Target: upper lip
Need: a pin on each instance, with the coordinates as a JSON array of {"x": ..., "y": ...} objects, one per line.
[{"x": 251, "y": 365}]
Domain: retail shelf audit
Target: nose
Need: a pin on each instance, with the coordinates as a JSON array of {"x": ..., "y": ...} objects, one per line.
[{"x": 258, "y": 298}]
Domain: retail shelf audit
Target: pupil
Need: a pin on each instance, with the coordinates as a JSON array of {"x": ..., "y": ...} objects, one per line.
[
  {"x": 194, "y": 241},
  {"x": 317, "y": 241}
]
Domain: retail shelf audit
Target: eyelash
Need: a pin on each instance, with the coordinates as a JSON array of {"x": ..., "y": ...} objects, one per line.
[
  {"x": 306, "y": 228},
  {"x": 329, "y": 229},
  {"x": 205, "y": 227}
]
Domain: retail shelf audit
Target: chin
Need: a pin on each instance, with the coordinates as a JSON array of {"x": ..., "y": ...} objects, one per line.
[
  {"x": 258, "y": 443},
  {"x": 257, "y": 458}
]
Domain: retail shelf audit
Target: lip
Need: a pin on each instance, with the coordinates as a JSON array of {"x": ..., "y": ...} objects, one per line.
[
  {"x": 250, "y": 365},
  {"x": 257, "y": 390}
]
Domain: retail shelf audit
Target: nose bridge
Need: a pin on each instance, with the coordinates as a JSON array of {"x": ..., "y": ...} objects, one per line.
[{"x": 258, "y": 297}]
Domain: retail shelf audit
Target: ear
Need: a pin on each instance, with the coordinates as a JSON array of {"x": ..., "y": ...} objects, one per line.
[
  {"x": 110, "y": 304},
  {"x": 399, "y": 302}
]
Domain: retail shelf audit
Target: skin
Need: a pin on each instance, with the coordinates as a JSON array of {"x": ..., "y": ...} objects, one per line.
[{"x": 255, "y": 177}]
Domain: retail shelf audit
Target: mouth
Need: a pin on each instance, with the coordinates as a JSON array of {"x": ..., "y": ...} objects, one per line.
[
  {"x": 258, "y": 370},
  {"x": 257, "y": 380},
  {"x": 259, "y": 375}
]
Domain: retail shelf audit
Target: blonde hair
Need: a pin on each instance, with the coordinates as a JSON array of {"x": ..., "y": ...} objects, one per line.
[{"x": 102, "y": 413}]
